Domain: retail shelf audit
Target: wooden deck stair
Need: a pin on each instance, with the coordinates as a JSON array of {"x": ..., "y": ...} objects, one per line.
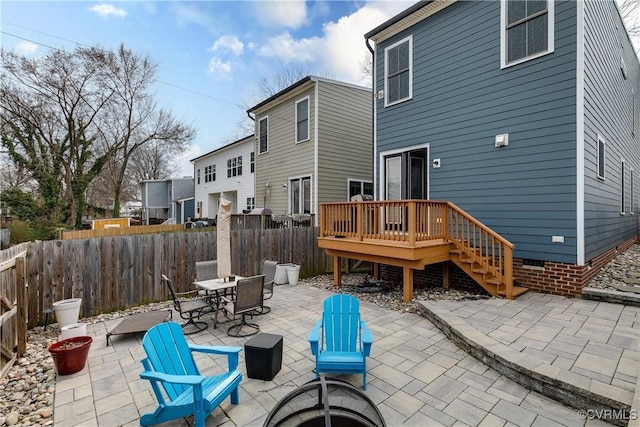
[
  {"x": 491, "y": 283},
  {"x": 415, "y": 233}
]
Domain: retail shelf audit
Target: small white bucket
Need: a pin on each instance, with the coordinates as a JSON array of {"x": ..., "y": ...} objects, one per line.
[
  {"x": 74, "y": 330},
  {"x": 281, "y": 274},
  {"x": 67, "y": 311}
]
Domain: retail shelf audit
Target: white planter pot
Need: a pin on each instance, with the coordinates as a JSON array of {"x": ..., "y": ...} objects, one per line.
[
  {"x": 293, "y": 271},
  {"x": 280, "y": 277},
  {"x": 67, "y": 311},
  {"x": 73, "y": 330}
]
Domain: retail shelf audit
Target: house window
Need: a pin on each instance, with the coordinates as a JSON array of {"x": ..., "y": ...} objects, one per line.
[
  {"x": 601, "y": 152},
  {"x": 253, "y": 162},
  {"x": 199, "y": 209},
  {"x": 234, "y": 167},
  {"x": 527, "y": 30},
  {"x": 198, "y": 176},
  {"x": 210, "y": 173},
  {"x": 300, "y": 195},
  {"x": 398, "y": 80},
  {"x": 623, "y": 195},
  {"x": 251, "y": 203},
  {"x": 302, "y": 120},
  {"x": 631, "y": 192},
  {"x": 360, "y": 187},
  {"x": 263, "y": 127}
]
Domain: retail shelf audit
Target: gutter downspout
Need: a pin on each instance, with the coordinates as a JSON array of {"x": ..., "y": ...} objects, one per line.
[
  {"x": 373, "y": 117},
  {"x": 255, "y": 182},
  {"x": 315, "y": 199}
]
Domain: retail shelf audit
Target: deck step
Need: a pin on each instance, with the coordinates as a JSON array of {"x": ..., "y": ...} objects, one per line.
[
  {"x": 479, "y": 271},
  {"x": 467, "y": 260},
  {"x": 494, "y": 281}
]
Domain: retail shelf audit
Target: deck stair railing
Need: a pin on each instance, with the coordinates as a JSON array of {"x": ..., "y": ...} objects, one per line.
[{"x": 481, "y": 252}]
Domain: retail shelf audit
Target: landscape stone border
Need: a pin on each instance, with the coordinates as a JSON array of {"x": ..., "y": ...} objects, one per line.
[{"x": 569, "y": 388}]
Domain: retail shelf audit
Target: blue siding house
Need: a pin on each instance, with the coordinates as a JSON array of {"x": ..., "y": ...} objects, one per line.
[{"x": 523, "y": 114}]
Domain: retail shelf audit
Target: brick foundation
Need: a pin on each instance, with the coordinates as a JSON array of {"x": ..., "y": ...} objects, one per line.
[{"x": 553, "y": 278}]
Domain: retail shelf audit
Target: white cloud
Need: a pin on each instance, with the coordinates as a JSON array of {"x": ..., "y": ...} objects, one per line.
[
  {"x": 219, "y": 68},
  {"x": 341, "y": 49},
  {"x": 191, "y": 13},
  {"x": 26, "y": 48},
  {"x": 285, "y": 47},
  {"x": 283, "y": 14},
  {"x": 228, "y": 42},
  {"x": 105, "y": 9}
]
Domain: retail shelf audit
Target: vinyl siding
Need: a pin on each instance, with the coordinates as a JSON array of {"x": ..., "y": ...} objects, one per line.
[
  {"x": 462, "y": 100},
  {"x": 236, "y": 188},
  {"x": 609, "y": 112},
  {"x": 285, "y": 159},
  {"x": 345, "y": 148}
]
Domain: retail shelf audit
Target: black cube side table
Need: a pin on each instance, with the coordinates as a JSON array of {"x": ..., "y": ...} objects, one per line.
[{"x": 263, "y": 356}]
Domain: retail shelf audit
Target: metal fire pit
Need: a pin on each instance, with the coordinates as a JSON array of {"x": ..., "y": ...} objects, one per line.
[{"x": 325, "y": 402}]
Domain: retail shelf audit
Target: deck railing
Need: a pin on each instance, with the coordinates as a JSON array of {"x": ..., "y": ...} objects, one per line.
[{"x": 413, "y": 221}]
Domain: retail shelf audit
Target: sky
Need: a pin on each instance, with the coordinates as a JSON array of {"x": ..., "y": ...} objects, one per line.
[{"x": 212, "y": 55}]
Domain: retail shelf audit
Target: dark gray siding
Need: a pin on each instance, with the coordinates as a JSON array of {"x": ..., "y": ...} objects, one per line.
[
  {"x": 462, "y": 99},
  {"x": 609, "y": 112},
  {"x": 157, "y": 194}
]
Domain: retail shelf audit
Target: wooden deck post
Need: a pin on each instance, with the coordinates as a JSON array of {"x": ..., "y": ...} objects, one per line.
[
  {"x": 376, "y": 271},
  {"x": 337, "y": 270},
  {"x": 407, "y": 284},
  {"x": 446, "y": 277}
]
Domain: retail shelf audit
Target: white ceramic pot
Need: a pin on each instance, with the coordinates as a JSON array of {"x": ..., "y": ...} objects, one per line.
[{"x": 67, "y": 311}]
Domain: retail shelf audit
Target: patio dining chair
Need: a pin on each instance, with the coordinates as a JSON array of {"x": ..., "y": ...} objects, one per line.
[
  {"x": 190, "y": 309},
  {"x": 269, "y": 272},
  {"x": 206, "y": 270},
  {"x": 248, "y": 299}
]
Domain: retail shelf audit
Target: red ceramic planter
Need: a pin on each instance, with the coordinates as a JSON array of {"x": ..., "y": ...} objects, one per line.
[{"x": 70, "y": 355}]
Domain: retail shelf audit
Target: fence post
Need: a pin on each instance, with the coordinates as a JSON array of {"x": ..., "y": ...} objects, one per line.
[{"x": 22, "y": 300}]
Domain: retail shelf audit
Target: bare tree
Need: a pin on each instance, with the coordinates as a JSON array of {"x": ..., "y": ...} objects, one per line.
[
  {"x": 135, "y": 118},
  {"x": 630, "y": 12},
  {"x": 51, "y": 106}
]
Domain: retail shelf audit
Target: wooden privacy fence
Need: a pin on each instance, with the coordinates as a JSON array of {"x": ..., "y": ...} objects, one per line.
[
  {"x": 112, "y": 273},
  {"x": 120, "y": 231},
  {"x": 13, "y": 305}
]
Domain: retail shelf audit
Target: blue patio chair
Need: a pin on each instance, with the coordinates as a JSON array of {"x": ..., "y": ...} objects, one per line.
[
  {"x": 176, "y": 381},
  {"x": 341, "y": 341}
]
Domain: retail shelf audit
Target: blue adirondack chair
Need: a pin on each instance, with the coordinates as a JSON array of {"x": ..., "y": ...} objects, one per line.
[
  {"x": 341, "y": 341},
  {"x": 176, "y": 381}
]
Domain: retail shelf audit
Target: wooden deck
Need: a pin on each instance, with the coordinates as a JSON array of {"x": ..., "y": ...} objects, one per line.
[{"x": 414, "y": 233}]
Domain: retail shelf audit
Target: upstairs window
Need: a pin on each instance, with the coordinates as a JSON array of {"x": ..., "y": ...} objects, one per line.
[
  {"x": 263, "y": 128},
  {"x": 302, "y": 120},
  {"x": 210, "y": 173},
  {"x": 527, "y": 30},
  {"x": 398, "y": 80},
  {"x": 253, "y": 162},
  {"x": 198, "y": 176},
  {"x": 234, "y": 167}
]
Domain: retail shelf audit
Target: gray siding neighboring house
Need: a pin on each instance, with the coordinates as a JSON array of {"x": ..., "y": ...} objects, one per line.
[
  {"x": 167, "y": 199},
  {"x": 313, "y": 145},
  {"x": 465, "y": 88}
]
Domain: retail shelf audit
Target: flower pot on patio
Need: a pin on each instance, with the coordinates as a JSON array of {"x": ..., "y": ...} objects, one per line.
[
  {"x": 67, "y": 311},
  {"x": 293, "y": 271},
  {"x": 281, "y": 274},
  {"x": 70, "y": 355}
]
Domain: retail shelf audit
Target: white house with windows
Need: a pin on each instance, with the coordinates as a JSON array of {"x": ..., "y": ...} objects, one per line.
[
  {"x": 313, "y": 145},
  {"x": 227, "y": 172}
]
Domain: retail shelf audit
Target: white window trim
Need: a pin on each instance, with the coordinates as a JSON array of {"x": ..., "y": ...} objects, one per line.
[
  {"x": 503, "y": 35},
  {"x": 631, "y": 191},
  {"x": 290, "y": 189},
  {"x": 361, "y": 181},
  {"x": 260, "y": 121},
  {"x": 386, "y": 71},
  {"x": 604, "y": 158},
  {"x": 383, "y": 154},
  {"x": 623, "y": 193},
  {"x": 306, "y": 98}
]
